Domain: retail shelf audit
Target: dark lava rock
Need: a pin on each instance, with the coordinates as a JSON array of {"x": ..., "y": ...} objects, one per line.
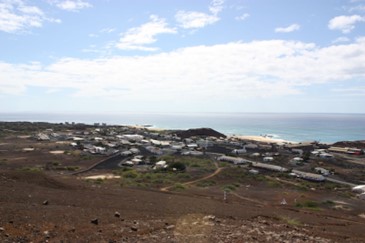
[
  {"x": 202, "y": 132},
  {"x": 95, "y": 221},
  {"x": 354, "y": 144}
]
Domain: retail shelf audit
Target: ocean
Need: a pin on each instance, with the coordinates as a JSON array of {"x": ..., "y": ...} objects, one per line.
[{"x": 296, "y": 127}]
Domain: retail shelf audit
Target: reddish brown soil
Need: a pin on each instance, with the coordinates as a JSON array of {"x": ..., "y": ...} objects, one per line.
[{"x": 193, "y": 215}]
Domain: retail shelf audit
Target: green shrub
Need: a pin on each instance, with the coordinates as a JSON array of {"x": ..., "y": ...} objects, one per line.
[
  {"x": 130, "y": 174},
  {"x": 179, "y": 166},
  {"x": 72, "y": 168},
  {"x": 307, "y": 204},
  {"x": 206, "y": 183},
  {"x": 31, "y": 169},
  {"x": 229, "y": 187},
  {"x": 290, "y": 221},
  {"x": 179, "y": 186}
]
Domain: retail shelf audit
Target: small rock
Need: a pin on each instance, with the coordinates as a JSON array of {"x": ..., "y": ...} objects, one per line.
[
  {"x": 170, "y": 227},
  {"x": 117, "y": 214},
  {"x": 2, "y": 229},
  {"x": 46, "y": 234},
  {"x": 134, "y": 228},
  {"x": 209, "y": 217},
  {"x": 45, "y": 202},
  {"x": 95, "y": 221}
]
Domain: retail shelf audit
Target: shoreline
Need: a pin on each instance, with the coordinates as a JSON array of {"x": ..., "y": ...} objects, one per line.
[
  {"x": 263, "y": 139},
  {"x": 153, "y": 128}
]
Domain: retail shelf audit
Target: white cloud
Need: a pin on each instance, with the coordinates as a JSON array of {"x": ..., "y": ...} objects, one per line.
[
  {"x": 138, "y": 37},
  {"x": 107, "y": 30},
  {"x": 242, "y": 17},
  {"x": 72, "y": 5},
  {"x": 341, "y": 39},
  {"x": 227, "y": 72},
  {"x": 17, "y": 16},
  {"x": 191, "y": 19},
  {"x": 345, "y": 23},
  {"x": 195, "y": 20},
  {"x": 216, "y": 6},
  {"x": 350, "y": 91},
  {"x": 288, "y": 29},
  {"x": 358, "y": 8}
]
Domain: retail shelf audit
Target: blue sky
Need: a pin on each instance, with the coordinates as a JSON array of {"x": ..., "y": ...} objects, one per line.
[{"x": 182, "y": 56}]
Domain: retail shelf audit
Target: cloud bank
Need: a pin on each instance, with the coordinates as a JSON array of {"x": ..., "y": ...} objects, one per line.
[{"x": 226, "y": 71}]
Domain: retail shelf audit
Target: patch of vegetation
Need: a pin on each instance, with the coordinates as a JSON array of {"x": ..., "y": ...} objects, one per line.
[
  {"x": 184, "y": 176},
  {"x": 328, "y": 203},
  {"x": 290, "y": 221},
  {"x": 273, "y": 183},
  {"x": 206, "y": 183},
  {"x": 98, "y": 181},
  {"x": 330, "y": 186},
  {"x": 202, "y": 164},
  {"x": 230, "y": 187},
  {"x": 346, "y": 194},
  {"x": 131, "y": 174},
  {"x": 72, "y": 168},
  {"x": 56, "y": 163},
  {"x": 86, "y": 156},
  {"x": 223, "y": 164},
  {"x": 303, "y": 186},
  {"x": 308, "y": 204},
  {"x": 178, "y": 187},
  {"x": 31, "y": 169},
  {"x": 179, "y": 166}
]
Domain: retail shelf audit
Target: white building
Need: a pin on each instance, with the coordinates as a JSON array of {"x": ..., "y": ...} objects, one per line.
[
  {"x": 359, "y": 189},
  {"x": 160, "y": 165},
  {"x": 322, "y": 171},
  {"x": 268, "y": 159},
  {"x": 233, "y": 160},
  {"x": 269, "y": 167},
  {"x": 309, "y": 176}
]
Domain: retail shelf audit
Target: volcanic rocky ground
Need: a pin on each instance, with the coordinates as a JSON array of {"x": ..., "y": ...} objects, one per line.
[{"x": 35, "y": 207}]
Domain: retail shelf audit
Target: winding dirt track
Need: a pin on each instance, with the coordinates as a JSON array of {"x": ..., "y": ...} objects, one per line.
[{"x": 216, "y": 172}]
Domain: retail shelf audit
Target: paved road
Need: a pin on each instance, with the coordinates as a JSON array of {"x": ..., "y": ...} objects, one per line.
[
  {"x": 107, "y": 163},
  {"x": 340, "y": 182}
]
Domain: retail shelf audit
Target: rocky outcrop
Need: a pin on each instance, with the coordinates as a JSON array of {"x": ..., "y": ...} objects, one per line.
[{"x": 202, "y": 132}]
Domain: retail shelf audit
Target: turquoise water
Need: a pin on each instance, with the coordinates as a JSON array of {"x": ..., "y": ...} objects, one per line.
[{"x": 288, "y": 126}]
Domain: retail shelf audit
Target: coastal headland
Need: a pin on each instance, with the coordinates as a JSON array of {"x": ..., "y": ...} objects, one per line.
[{"x": 72, "y": 182}]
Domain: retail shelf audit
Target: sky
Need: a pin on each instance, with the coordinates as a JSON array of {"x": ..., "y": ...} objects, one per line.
[{"x": 112, "y": 56}]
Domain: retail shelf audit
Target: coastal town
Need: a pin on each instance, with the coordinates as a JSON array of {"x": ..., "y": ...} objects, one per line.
[
  {"x": 134, "y": 146},
  {"x": 198, "y": 161}
]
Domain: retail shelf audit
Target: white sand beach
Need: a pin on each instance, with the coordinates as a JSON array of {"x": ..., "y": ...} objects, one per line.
[{"x": 263, "y": 139}]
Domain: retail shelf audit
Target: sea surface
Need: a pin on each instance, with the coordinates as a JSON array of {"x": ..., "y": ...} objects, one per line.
[{"x": 289, "y": 126}]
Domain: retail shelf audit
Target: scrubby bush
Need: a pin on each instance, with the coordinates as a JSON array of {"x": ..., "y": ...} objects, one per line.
[
  {"x": 179, "y": 186},
  {"x": 130, "y": 174},
  {"x": 178, "y": 166}
]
